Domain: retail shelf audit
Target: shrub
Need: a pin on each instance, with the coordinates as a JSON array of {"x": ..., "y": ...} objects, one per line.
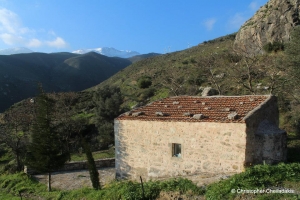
[
  {"x": 144, "y": 82},
  {"x": 273, "y": 47},
  {"x": 185, "y": 62}
]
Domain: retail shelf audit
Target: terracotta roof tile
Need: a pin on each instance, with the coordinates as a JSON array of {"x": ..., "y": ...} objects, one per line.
[{"x": 213, "y": 108}]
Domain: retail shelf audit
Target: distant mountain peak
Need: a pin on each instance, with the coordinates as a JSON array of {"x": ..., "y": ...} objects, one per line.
[
  {"x": 16, "y": 50},
  {"x": 109, "y": 51}
]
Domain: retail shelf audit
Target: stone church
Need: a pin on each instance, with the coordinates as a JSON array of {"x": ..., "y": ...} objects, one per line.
[{"x": 188, "y": 135}]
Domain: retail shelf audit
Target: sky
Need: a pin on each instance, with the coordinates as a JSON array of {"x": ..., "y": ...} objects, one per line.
[{"x": 145, "y": 26}]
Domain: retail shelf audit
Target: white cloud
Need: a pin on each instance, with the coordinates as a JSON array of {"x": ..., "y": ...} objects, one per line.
[
  {"x": 58, "y": 43},
  {"x": 9, "y": 21},
  {"x": 11, "y": 39},
  {"x": 12, "y": 32},
  {"x": 209, "y": 23},
  {"x": 34, "y": 43}
]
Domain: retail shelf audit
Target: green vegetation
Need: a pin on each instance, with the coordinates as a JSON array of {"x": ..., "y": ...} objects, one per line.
[
  {"x": 108, "y": 102},
  {"x": 94, "y": 175},
  {"x": 259, "y": 177},
  {"x": 282, "y": 176},
  {"x": 46, "y": 152},
  {"x": 96, "y": 155},
  {"x": 293, "y": 145},
  {"x": 213, "y": 63},
  {"x": 273, "y": 47},
  {"x": 144, "y": 82},
  {"x": 15, "y": 184}
]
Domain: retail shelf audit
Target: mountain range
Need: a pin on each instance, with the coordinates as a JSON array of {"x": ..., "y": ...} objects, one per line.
[
  {"x": 106, "y": 51},
  {"x": 109, "y": 51},
  {"x": 20, "y": 73}
]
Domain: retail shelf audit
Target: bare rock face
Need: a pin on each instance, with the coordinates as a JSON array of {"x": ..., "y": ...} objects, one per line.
[{"x": 273, "y": 22}]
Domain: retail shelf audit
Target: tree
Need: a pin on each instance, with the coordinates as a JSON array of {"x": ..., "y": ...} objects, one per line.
[
  {"x": 293, "y": 62},
  {"x": 46, "y": 151},
  {"x": 292, "y": 51},
  {"x": 108, "y": 106},
  {"x": 174, "y": 82},
  {"x": 245, "y": 69},
  {"x": 14, "y": 130},
  {"x": 214, "y": 76},
  {"x": 63, "y": 114}
]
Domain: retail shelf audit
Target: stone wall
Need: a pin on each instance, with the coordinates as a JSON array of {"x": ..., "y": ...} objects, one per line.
[
  {"x": 265, "y": 141},
  {"x": 144, "y": 148},
  {"x": 80, "y": 165}
]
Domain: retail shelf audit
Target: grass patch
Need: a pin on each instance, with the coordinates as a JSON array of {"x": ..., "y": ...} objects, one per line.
[
  {"x": 160, "y": 94},
  {"x": 280, "y": 176},
  {"x": 21, "y": 184},
  {"x": 110, "y": 153},
  {"x": 12, "y": 184},
  {"x": 5, "y": 196},
  {"x": 259, "y": 177}
]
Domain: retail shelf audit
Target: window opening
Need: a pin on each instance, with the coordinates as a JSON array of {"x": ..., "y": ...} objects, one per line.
[{"x": 176, "y": 150}]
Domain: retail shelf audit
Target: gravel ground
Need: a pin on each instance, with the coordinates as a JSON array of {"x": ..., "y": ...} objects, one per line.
[{"x": 69, "y": 180}]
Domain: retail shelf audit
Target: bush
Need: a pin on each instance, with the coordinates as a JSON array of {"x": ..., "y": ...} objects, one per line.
[
  {"x": 144, "y": 82},
  {"x": 273, "y": 47},
  {"x": 185, "y": 62},
  {"x": 147, "y": 93}
]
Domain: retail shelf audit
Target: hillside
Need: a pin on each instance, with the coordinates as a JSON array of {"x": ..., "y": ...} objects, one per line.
[
  {"x": 58, "y": 72},
  {"x": 184, "y": 71}
]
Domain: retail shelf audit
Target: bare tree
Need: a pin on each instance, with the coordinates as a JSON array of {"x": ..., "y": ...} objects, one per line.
[
  {"x": 276, "y": 74},
  {"x": 211, "y": 67},
  {"x": 174, "y": 82},
  {"x": 244, "y": 69}
]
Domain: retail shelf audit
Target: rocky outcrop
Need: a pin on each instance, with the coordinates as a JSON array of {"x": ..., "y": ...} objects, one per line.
[{"x": 273, "y": 22}]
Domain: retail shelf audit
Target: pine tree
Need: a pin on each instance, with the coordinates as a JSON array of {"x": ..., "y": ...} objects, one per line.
[{"x": 46, "y": 151}]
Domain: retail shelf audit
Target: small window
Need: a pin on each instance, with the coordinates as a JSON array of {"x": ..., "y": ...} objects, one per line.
[{"x": 176, "y": 150}]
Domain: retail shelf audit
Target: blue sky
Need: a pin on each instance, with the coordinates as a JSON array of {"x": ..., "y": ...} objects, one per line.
[{"x": 141, "y": 25}]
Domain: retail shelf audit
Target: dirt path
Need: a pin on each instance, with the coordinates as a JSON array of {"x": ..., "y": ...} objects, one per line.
[{"x": 69, "y": 180}]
